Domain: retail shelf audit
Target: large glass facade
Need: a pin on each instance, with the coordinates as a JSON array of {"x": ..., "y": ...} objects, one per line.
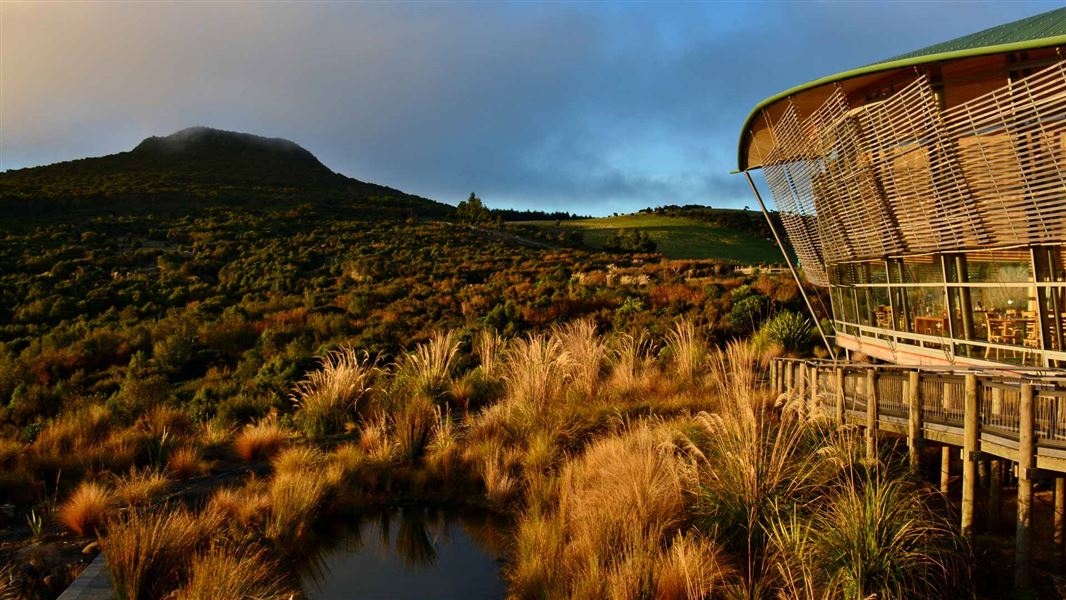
[{"x": 1003, "y": 306}]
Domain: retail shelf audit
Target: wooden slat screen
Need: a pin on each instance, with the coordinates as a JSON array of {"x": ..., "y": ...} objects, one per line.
[{"x": 902, "y": 176}]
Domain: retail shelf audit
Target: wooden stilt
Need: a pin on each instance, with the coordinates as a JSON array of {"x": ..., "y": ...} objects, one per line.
[
  {"x": 995, "y": 492},
  {"x": 1026, "y": 451},
  {"x": 1060, "y": 517},
  {"x": 969, "y": 454},
  {"x": 914, "y": 421},
  {"x": 871, "y": 415},
  {"x": 945, "y": 469}
]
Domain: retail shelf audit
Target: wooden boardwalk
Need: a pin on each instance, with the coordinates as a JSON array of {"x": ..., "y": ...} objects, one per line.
[{"x": 1009, "y": 422}]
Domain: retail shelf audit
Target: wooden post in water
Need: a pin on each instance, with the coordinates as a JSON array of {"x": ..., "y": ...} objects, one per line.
[
  {"x": 871, "y": 415},
  {"x": 945, "y": 469},
  {"x": 995, "y": 474},
  {"x": 1060, "y": 517},
  {"x": 995, "y": 492},
  {"x": 1026, "y": 450},
  {"x": 840, "y": 395},
  {"x": 945, "y": 451},
  {"x": 970, "y": 442},
  {"x": 914, "y": 420}
]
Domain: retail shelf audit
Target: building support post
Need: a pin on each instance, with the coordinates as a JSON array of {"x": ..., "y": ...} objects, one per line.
[
  {"x": 970, "y": 455},
  {"x": 995, "y": 493},
  {"x": 871, "y": 415},
  {"x": 945, "y": 469},
  {"x": 1026, "y": 450},
  {"x": 914, "y": 421},
  {"x": 1060, "y": 517},
  {"x": 791, "y": 267}
]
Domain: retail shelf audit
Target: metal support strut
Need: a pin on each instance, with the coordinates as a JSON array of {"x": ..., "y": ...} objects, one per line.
[{"x": 791, "y": 267}]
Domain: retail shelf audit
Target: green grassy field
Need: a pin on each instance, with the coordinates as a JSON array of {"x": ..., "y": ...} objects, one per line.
[{"x": 681, "y": 237}]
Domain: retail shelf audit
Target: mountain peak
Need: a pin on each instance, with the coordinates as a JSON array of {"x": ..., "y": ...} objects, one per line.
[{"x": 198, "y": 141}]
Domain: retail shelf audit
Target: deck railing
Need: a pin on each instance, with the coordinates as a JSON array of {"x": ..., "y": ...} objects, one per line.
[{"x": 844, "y": 389}]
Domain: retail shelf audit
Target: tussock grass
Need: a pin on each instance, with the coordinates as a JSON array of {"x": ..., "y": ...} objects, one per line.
[
  {"x": 260, "y": 441},
  {"x": 147, "y": 550},
  {"x": 239, "y": 507},
  {"x": 73, "y": 432},
  {"x": 586, "y": 351},
  {"x": 491, "y": 347},
  {"x": 329, "y": 397},
  {"x": 168, "y": 421},
  {"x": 537, "y": 370},
  {"x": 619, "y": 513},
  {"x": 233, "y": 571},
  {"x": 186, "y": 462},
  {"x": 444, "y": 451},
  {"x": 86, "y": 508},
  {"x": 686, "y": 351},
  {"x": 412, "y": 424},
  {"x": 294, "y": 500},
  {"x": 500, "y": 484},
  {"x": 139, "y": 487},
  {"x": 632, "y": 365},
  {"x": 299, "y": 459},
  {"x": 631, "y": 473},
  {"x": 427, "y": 369}
]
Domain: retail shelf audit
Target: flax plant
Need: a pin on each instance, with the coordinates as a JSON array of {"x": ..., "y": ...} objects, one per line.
[{"x": 754, "y": 460}]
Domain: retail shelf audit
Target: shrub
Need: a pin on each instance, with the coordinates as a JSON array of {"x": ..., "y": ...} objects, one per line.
[
  {"x": 747, "y": 313},
  {"x": 85, "y": 509}
]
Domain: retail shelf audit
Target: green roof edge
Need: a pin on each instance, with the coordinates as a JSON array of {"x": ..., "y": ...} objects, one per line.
[{"x": 1058, "y": 40}]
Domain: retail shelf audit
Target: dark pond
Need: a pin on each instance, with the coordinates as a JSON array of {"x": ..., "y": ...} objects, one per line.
[{"x": 415, "y": 553}]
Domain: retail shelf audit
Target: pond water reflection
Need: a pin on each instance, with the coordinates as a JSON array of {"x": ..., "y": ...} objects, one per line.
[{"x": 418, "y": 552}]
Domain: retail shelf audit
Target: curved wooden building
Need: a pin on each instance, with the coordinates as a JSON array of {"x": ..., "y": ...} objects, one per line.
[{"x": 928, "y": 193}]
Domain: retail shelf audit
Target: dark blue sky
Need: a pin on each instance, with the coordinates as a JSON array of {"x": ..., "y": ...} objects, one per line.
[{"x": 587, "y": 107}]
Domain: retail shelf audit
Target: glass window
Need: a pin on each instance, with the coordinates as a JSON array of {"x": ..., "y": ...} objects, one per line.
[
  {"x": 923, "y": 269},
  {"x": 928, "y": 311},
  {"x": 1005, "y": 315},
  {"x": 1008, "y": 266}
]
